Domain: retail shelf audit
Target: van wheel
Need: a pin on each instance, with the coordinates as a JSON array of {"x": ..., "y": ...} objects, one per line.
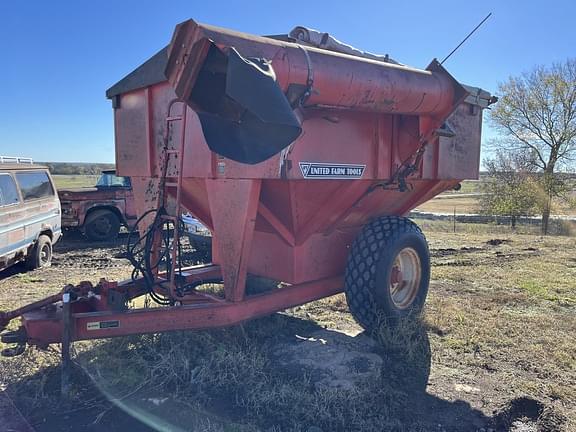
[
  {"x": 102, "y": 225},
  {"x": 41, "y": 254}
]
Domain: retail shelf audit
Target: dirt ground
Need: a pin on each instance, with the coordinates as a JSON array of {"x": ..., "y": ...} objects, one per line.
[{"x": 494, "y": 350}]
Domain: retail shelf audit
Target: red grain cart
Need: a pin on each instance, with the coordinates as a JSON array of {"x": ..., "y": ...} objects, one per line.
[{"x": 302, "y": 162}]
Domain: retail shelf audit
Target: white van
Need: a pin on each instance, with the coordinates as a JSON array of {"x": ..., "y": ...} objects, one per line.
[{"x": 30, "y": 220}]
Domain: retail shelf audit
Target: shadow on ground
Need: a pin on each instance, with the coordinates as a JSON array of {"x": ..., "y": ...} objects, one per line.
[
  {"x": 73, "y": 239},
  {"x": 13, "y": 270},
  {"x": 228, "y": 380}
]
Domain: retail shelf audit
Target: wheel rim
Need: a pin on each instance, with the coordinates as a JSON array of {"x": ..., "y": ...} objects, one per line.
[
  {"x": 102, "y": 226},
  {"x": 405, "y": 277},
  {"x": 45, "y": 254}
]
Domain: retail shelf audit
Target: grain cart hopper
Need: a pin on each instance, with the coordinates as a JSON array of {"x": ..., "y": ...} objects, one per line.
[{"x": 302, "y": 161}]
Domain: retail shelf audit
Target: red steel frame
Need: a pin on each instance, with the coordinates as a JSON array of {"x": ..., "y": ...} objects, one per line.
[
  {"x": 90, "y": 318},
  {"x": 266, "y": 218}
]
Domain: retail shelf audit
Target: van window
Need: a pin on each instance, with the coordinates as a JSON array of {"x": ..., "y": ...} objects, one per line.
[
  {"x": 8, "y": 191},
  {"x": 34, "y": 184}
]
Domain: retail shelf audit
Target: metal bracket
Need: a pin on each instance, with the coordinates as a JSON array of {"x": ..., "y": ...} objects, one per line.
[
  {"x": 66, "y": 342},
  {"x": 309, "y": 79}
]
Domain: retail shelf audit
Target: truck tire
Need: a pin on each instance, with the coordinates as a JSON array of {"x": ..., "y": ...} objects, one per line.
[
  {"x": 41, "y": 254},
  {"x": 202, "y": 246},
  {"x": 388, "y": 272},
  {"x": 102, "y": 225}
]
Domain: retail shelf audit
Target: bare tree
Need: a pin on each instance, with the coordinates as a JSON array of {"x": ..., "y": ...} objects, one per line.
[{"x": 536, "y": 115}]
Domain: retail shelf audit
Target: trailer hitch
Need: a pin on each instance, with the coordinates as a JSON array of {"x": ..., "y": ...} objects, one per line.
[
  {"x": 6, "y": 317},
  {"x": 19, "y": 337}
]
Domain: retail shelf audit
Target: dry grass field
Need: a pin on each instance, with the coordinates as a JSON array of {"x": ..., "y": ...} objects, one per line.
[
  {"x": 450, "y": 203},
  {"x": 74, "y": 181},
  {"x": 495, "y": 349},
  {"x": 463, "y": 203}
]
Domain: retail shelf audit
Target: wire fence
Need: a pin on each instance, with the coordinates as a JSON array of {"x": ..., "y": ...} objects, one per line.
[{"x": 563, "y": 225}]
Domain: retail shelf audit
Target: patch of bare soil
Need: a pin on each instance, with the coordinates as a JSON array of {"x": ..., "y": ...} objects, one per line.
[
  {"x": 37, "y": 394},
  {"x": 495, "y": 350}
]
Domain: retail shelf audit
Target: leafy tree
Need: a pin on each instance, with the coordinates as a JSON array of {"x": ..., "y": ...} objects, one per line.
[
  {"x": 536, "y": 115},
  {"x": 511, "y": 189}
]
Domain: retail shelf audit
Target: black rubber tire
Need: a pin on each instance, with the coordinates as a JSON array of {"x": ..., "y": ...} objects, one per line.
[
  {"x": 369, "y": 267},
  {"x": 202, "y": 246},
  {"x": 102, "y": 225},
  {"x": 259, "y": 285},
  {"x": 41, "y": 254}
]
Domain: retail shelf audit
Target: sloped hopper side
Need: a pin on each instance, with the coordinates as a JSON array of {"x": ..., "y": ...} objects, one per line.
[{"x": 244, "y": 114}]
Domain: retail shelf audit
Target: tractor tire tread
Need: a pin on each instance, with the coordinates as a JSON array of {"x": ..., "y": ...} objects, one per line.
[{"x": 361, "y": 267}]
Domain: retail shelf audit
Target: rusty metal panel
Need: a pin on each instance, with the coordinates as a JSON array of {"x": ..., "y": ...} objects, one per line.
[
  {"x": 215, "y": 70},
  {"x": 131, "y": 121},
  {"x": 233, "y": 208},
  {"x": 339, "y": 79},
  {"x": 457, "y": 157},
  {"x": 362, "y": 123}
]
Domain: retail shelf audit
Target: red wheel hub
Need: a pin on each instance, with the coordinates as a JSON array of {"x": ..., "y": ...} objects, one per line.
[{"x": 396, "y": 275}]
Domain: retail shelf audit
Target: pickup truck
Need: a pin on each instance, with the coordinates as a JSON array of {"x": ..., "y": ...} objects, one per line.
[{"x": 99, "y": 211}]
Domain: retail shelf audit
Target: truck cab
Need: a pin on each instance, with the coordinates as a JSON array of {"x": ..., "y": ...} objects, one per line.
[
  {"x": 30, "y": 220},
  {"x": 99, "y": 211}
]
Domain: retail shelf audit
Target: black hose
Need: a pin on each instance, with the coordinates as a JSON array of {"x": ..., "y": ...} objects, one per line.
[{"x": 139, "y": 254}]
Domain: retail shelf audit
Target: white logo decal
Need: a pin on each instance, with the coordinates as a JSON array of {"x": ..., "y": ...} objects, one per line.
[{"x": 322, "y": 170}]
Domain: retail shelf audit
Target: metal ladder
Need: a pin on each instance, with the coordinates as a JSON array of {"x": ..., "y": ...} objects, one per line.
[{"x": 178, "y": 154}]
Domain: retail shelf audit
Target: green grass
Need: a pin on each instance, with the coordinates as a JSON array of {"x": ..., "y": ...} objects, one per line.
[
  {"x": 534, "y": 288},
  {"x": 74, "y": 181},
  {"x": 467, "y": 187},
  {"x": 29, "y": 278}
]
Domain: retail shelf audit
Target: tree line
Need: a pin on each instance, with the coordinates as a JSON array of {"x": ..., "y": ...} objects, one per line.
[{"x": 76, "y": 168}]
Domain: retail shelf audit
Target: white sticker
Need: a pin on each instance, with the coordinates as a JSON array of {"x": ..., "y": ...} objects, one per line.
[
  {"x": 101, "y": 325},
  {"x": 323, "y": 170}
]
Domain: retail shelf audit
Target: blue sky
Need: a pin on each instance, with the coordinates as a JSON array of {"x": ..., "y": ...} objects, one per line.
[{"x": 59, "y": 57}]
